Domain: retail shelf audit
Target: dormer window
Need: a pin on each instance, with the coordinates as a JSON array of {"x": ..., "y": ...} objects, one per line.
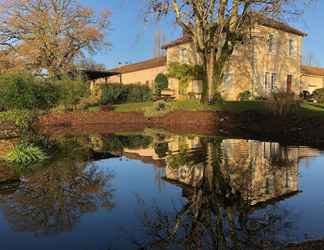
[
  {"x": 291, "y": 47},
  {"x": 270, "y": 43}
]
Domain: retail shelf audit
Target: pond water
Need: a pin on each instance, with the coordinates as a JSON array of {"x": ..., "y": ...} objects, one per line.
[{"x": 157, "y": 190}]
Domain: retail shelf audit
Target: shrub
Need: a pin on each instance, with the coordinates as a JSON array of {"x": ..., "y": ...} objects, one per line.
[
  {"x": 282, "y": 103},
  {"x": 47, "y": 95},
  {"x": 161, "y": 82},
  {"x": 161, "y": 149},
  {"x": 138, "y": 93},
  {"x": 245, "y": 95},
  {"x": 159, "y": 108},
  {"x": 71, "y": 91},
  {"x": 21, "y": 118},
  {"x": 120, "y": 93},
  {"x": 160, "y": 105},
  {"x": 23, "y": 91},
  {"x": 217, "y": 98},
  {"x": 23, "y": 155},
  {"x": 318, "y": 95}
]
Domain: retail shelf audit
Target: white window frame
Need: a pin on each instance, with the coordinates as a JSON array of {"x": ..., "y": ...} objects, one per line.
[
  {"x": 291, "y": 47},
  {"x": 228, "y": 80},
  {"x": 274, "y": 78}
]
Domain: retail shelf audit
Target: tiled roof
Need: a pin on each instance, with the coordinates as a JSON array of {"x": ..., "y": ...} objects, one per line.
[
  {"x": 148, "y": 64},
  {"x": 273, "y": 23},
  {"x": 310, "y": 70},
  {"x": 261, "y": 19},
  {"x": 181, "y": 40}
]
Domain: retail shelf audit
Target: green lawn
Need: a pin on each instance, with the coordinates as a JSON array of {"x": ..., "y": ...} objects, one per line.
[
  {"x": 194, "y": 106},
  {"x": 311, "y": 109},
  {"x": 306, "y": 109},
  {"x": 133, "y": 107}
]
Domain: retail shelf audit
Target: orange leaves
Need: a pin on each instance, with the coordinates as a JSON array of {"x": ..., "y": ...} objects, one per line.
[{"x": 51, "y": 34}]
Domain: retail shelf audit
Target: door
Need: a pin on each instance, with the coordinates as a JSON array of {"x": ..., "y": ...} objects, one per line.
[{"x": 289, "y": 83}]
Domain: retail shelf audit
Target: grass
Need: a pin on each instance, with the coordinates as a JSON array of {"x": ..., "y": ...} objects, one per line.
[
  {"x": 311, "y": 109},
  {"x": 193, "y": 105},
  {"x": 306, "y": 109},
  {"x": 133, "y": 107}
]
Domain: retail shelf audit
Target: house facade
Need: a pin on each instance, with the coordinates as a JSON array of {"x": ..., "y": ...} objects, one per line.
[
  {"x": 269, "y": 61},
  {"x": 312, "y": 78}
]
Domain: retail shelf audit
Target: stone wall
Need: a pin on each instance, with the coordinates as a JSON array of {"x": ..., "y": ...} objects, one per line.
[{"x": 312, "y": 82}]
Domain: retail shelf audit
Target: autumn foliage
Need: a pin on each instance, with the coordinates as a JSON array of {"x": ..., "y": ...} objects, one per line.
[{"x": 49, "y": 35}]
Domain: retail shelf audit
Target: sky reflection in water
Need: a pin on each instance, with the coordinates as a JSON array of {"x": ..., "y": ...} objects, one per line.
[{"x": 166, "y": 191}]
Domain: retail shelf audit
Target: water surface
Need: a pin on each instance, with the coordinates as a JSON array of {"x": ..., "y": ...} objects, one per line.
[{"x": 157, "y": 190}]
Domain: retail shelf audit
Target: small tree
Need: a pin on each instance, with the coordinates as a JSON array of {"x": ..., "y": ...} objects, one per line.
[{"x": 161, "y": 82}]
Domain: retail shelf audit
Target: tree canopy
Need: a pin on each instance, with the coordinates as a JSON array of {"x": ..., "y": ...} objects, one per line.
[{"x": 49, "y": 34}]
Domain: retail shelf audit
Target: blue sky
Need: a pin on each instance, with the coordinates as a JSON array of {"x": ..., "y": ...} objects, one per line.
[{"x": 132, "y": 40}]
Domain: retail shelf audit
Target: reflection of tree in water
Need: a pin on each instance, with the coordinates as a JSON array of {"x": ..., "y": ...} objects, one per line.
[
  {"x": 52, "y": 199},
  {"x": 214, "y": 216},
  {"x": 116, "y": 143}
]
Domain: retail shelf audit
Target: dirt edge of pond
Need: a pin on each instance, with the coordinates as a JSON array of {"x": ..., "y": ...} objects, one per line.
[{"x": 250, "y": 124}]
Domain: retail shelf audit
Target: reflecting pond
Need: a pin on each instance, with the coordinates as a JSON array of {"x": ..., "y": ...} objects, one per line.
[{"x": 157, "y": 190}]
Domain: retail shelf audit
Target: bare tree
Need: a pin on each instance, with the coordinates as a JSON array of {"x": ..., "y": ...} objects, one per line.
[
  {"x": 50, "y": 34},
  {"x": 216, "y": 27}
]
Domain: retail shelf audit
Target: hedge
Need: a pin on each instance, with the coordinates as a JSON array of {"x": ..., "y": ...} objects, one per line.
[{"x": 121, "y": 93}]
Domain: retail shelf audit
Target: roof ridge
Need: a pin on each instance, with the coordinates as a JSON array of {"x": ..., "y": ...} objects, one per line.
[{"x": 146, "y": 64}]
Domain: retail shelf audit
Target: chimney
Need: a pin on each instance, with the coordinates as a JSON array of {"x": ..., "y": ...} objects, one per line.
[{"x": 185, "y": 33}]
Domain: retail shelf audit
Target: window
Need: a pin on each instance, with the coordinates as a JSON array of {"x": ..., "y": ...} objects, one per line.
[
  {"x": 289, "y": 83},
  {"x": 266, "y": 80},
  {"x": 291, "y": 47},
  {"x": 270, "y": 43},
  {"x": 184, "y": 57},
  {"x": 273, "y": 81},
  {"x": 270, "y": 81},
  {"x": 228, "y": 78}
]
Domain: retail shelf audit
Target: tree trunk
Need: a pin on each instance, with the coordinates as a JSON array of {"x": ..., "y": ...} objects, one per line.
[
  {"x": 204, "y": 94},
  {"x": 208, "y": 85},
  {"x": 210, "y": 77}
]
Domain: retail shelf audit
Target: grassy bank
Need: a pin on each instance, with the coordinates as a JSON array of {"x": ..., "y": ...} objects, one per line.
[
  {"x": 305, "y": 109},
  {"x": 194, "y": 106}
]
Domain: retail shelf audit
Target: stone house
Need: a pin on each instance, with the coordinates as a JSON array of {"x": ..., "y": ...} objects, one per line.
[
  {"x": 312, "y": 78},
  {"x": 269, "y": 61}
]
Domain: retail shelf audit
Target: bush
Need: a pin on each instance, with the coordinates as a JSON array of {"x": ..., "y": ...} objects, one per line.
[
  {"x": 23, "y": 155},
  {"x": 120, "y": 93},
  {"x": 217, "y": 98},
  {"x": 23, "y": 91},
  {"x": 161, "y": 149},
  {"x": 318, "y": 95},
  {"x": 282, "y": 103},
  {"x": 160, "y": 105},
  {"x": 161, "y": 82},
  {"x": 70, "y": 92},
  {"x": 21, "y": 118},
  {"x": 245, "y": 96}
]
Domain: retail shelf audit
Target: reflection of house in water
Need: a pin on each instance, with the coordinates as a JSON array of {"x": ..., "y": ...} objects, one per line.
[{"x": 261, "y": 171}]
